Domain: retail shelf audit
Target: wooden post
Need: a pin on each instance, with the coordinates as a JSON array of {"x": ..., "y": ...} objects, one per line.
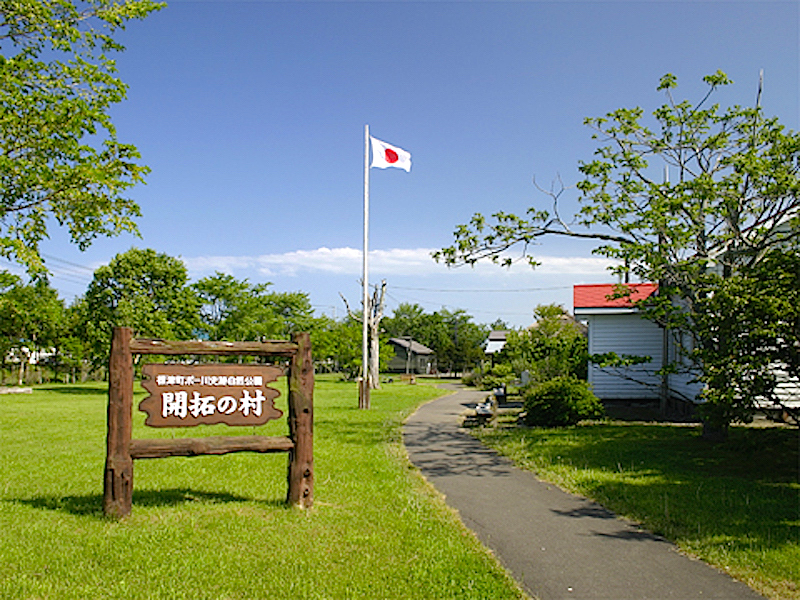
[
  {"x": 363, "y": 393},
  {"x": 301, "y": 424},
  {"x": 118, "y": 479}
]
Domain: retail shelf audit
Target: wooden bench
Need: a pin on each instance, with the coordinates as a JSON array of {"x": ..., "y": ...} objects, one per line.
[{"x": 482, "y": 414}]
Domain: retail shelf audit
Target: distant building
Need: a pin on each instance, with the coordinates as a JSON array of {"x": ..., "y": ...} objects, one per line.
[
  {"x": 496, "y": 341},
  {"x": 411, "y": 357}
]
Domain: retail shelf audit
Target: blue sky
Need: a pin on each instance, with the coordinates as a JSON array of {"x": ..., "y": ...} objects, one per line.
[{"x": 251, "y": 115}]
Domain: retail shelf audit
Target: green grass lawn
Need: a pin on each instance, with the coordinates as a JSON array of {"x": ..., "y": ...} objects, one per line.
[
  {"x": 216, "y": 527},
  {"x": 735, "y": 505}
]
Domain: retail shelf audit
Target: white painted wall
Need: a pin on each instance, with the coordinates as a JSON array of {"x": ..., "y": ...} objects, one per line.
[
  {"x": 682, "y": 385},
  {"x": 625, "y": 334}
]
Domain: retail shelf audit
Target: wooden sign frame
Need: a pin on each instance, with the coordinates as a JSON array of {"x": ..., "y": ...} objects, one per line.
[{"x": 121, "y": 450}]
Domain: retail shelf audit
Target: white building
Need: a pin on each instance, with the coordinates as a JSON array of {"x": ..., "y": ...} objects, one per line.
[{"x": 616, "y": 326}]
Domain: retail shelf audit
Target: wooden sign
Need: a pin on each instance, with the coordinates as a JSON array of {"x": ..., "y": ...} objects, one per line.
[
  {"x": 183, "y": 395},
  {"x": 191, "y": 395}
]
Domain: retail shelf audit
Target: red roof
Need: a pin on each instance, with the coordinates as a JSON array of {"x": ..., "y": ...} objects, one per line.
[{"x": 597, "y": 296}]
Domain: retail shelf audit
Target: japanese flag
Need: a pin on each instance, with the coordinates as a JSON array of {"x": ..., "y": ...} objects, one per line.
[{"x": 385, "y": 155}]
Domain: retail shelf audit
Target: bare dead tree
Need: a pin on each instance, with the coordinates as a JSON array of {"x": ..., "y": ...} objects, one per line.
[{"x": 374, "y": 313}]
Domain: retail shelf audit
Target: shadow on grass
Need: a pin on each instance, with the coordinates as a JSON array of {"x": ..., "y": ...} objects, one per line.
[
  {"x": 672, "y": 481},
  {"x": 92, "y": 505}
]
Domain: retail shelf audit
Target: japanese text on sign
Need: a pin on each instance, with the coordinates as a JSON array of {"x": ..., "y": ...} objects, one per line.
[
  {"x": 184, "y": 396},
  {"x": 212, "y": 380}
]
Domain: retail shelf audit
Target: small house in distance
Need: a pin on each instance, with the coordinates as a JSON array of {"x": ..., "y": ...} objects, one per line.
[
  {"x": 411, "y": 357},
  {"x": 496, "y": 341}
]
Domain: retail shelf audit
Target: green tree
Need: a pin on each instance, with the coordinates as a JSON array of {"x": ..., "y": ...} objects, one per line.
[
  {"x": 59, "y": 154},
  {"x": 294, "y": 312},
  {"x": 237, "y": 310},
  {"x": 8, "y": 337},
  {"x": 460, "y": 342},
  {"x": 695, "y": 196},
  {"x": 144, "y": 290},
  {"x": 499, "y": 325},
  {"x": 337, "y": 346},
  {"x": 218, "y": 296},
  {"x": 429, "y": 329},
  {"x": 234, "y": 310},
  {"x": 747, "y": 355},
  {"x": 324, "y": 344},
  {"x": 31, "y": 317},
  {"x": 406, "y": 320},
  {"x": 73, "y": 346},
  {"x": 556, "y": 346},
  {"x": 456, "y": 341}
]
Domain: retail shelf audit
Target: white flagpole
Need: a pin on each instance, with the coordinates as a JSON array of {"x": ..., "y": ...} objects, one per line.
[{"x": 363, "y": 397}]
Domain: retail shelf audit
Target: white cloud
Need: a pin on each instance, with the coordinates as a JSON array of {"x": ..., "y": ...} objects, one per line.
[
  {"x": 574, "y": 265},
  {"x": 206, "y": 265},
  {"x": 383, "y": 263},
  {"x": 338, "y": 261}
]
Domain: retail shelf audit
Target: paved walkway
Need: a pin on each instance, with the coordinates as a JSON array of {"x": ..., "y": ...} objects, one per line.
[{"x": 555, "y": 544}]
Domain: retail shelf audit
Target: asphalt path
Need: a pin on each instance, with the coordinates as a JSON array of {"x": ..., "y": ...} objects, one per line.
[{"x": 555, "y": 544}]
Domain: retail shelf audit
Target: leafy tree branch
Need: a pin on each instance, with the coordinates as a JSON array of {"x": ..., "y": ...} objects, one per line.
[{"x": 60, "y": 158}]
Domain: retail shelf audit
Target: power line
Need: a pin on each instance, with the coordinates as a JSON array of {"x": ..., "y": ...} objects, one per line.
[
  {"x": 66, "y": 262},
  {"x": 69, "y": 276}
]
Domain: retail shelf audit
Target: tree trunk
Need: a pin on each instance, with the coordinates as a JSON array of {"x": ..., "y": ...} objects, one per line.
[
  {"x": 373, "y": 313},
  {"x": 374, "y": 361},
  {"x": 714, "y": 433}
]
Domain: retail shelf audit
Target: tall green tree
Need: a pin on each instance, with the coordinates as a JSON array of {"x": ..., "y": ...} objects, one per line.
[
  {"x": 230, "y": 309},
  {"x": 294, "y": 312},
  {"x": 459, "y": 342},
  {"x": 60, "y": 158},
  {"x": 31, "y": 319},
  {"x": 406, "y": 320},
  {"x": 7, "y": 338},
  {"x": 753, "y": 321},
  {"x": 73, "y": 347},
  {"x": 688, "y": 198},
  {"x": 237, "y": 310},
  {"x": 337, "y": 346},
  {"x": 144, "y": 290},
  {"x": 556, "y": 346}
]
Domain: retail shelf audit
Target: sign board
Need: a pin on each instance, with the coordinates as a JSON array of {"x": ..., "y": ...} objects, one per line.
[{"x": 186, "y": 396}]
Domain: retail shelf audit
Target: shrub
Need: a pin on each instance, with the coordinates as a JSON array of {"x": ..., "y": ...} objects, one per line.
[
  {"x": 499, "y": 376},
  {"x": 560, "y": 402},
  {"x": 471, "y": 378}
]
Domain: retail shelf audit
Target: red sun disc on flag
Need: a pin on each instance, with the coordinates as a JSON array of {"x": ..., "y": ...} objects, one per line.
[{"x": 391, "y": 156}]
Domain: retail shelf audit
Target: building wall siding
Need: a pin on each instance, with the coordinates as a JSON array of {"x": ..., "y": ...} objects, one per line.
[
  {"x": 625, "y": 334},
  {"x": 683, "y": 385},
  {"x": 788, "y": 388}
]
